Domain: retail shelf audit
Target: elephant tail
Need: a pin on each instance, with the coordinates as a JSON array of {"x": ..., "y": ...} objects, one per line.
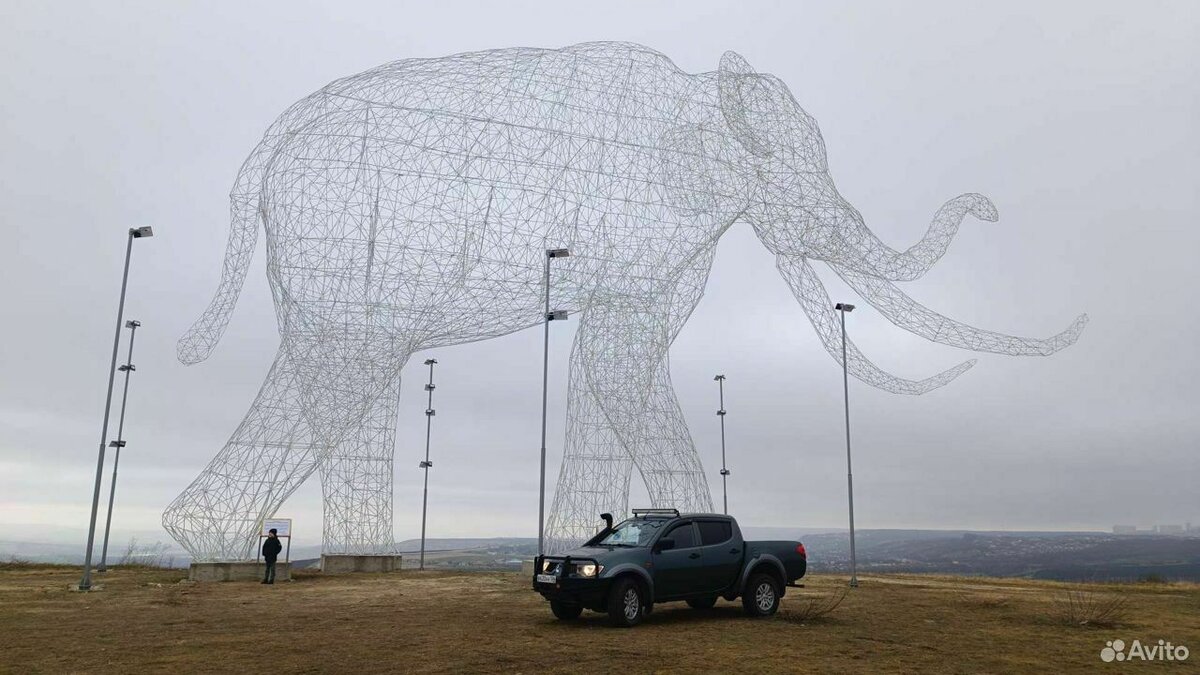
[{"x": 245, "y": 210}]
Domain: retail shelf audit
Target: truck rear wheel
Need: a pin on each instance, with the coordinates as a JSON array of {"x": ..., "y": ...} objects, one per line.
[
  {"x": 761, "y": 595},
  {"x": 702, "y": 603},
  {"x": 565, "y": 611},
  {"x": 626, "y": 606}
]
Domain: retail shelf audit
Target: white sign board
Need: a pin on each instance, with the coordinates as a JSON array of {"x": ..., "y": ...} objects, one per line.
[{"x": 283, "y": 527}]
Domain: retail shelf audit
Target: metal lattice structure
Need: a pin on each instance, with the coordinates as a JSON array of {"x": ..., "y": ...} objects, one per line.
[{"x": 410, "y": 207}]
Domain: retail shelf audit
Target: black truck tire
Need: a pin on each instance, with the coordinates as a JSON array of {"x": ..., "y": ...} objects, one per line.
[
  {"x": 565, "y": 611},
  {"x": 761, "y": 596},
  {"x": 626, "y": 604},
  {"x": 702, "y": 603}
]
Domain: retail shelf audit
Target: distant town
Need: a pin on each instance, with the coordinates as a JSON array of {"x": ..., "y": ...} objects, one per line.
[{"x": 1184, "y": 530}]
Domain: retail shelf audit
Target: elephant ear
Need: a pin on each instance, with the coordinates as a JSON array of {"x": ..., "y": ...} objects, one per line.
[
  {"x": 765, "y": 117},
  {"x": 736, "y": 82},
  {"x": 703, "y": 171}
]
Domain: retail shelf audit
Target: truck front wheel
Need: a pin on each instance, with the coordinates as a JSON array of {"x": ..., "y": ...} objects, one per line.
[
  {"x": 761, "y": 595},
  {"x": 626, "y": 606},
  {"x": 565, "y": 611}
]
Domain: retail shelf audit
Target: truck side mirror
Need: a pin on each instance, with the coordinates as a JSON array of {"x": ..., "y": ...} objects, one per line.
[{"x": 665, "y": 544}]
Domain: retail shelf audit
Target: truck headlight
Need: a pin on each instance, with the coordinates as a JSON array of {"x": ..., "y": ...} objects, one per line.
[
  {"x": 588, "y": 570},
  {"x": 546, "y": 565}
]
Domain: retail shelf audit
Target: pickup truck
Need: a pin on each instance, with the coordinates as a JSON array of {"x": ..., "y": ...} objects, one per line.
[{"x": 661, "y": 555}]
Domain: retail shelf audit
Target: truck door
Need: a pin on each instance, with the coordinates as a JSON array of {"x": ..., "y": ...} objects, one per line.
[
  {"x": 679, "y": 570},
  {"x": 721, "y": 553}
]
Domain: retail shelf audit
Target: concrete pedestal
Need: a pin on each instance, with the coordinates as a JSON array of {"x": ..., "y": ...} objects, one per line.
[
  {"x": 247, "y": 570},
  {"x": 526, "y": 568},
  {"x": 338, "y": 563}
]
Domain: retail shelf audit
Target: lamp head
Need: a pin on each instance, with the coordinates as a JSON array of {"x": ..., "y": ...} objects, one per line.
[
  {"x": 844, "y": 307},
  {"x": 430, "y": 362},
  {"x": 133, "y": 323},
  {"x": 139, "y": 232},
  {"x": 718, "y": 378},
  {"x": 558, "y": 252}
]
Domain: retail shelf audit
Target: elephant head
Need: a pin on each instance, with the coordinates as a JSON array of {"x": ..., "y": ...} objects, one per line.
[
  {"x": 797, "y": 209},
  {"x": 768, "y": 160}
]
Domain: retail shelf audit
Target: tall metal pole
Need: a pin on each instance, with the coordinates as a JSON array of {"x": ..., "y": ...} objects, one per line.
[
  {"x": 724, "y": 471},
  {"x": 85, "y": 583},
  {"x": 545, "y": 394},
  {"x": 118, "y": 444},
  {"x": 842, "y": 309},
  {"x": 547, "y": 317},
  {"x": 429, "y": 413}
]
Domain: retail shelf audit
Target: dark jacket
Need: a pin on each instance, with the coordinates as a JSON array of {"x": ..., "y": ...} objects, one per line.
[{"x": 271, "y": 548}]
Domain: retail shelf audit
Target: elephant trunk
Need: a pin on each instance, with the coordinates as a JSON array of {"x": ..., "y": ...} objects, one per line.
[{"x": 858, "y": 248}]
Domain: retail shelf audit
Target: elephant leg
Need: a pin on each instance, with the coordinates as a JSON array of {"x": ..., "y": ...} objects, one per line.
[
  {"x": 356, "y": 479},
  {"x": 623, "y": 412},
  {"x": 351, "y": 407},
  {"x": 269, "y": 455},
  {"x": 594, "y": 477},
  {"x": 666, "y": 456}
]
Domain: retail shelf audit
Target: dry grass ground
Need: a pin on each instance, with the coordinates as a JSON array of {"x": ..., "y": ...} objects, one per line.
[{"x": 147, "y": 621}]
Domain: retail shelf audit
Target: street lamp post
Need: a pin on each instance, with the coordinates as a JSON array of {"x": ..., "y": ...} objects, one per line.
[
  {"x": 118, "y": 444},
  {"x": 85, "y": 583},
  {"x": 547, "y": 317},
  {"x": 724, "y": 471},
  {"x": 426, "y": 465},
  {"x": 842, "y": 308}
]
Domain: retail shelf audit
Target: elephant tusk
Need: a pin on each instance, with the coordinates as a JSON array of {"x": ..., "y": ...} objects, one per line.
[
  {"x": 807, "y": 288},
  {"x": 915, "y": 318}
]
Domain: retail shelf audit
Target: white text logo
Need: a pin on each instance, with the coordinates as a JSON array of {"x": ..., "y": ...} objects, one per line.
[{"x": 1162, "y": 651}]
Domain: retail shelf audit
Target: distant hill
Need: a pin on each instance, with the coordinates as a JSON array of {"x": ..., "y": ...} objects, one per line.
[
  {"x": 1040, "y": 555},
  {"x": 414, "y": 545},
  {"x": 1071, "y": 556}
]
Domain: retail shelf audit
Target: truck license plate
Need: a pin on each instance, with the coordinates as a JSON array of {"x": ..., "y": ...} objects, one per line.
[{"x": 546, "y": 578}]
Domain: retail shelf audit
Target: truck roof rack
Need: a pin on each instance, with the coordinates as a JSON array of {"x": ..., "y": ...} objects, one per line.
[{"x": 656, "y": 512}]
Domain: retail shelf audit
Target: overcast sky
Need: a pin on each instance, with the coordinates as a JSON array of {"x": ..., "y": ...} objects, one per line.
[{"x": 1077, "y": 119}]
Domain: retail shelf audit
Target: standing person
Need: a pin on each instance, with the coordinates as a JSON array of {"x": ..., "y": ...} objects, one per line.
[{"x": 270, "y": 551}]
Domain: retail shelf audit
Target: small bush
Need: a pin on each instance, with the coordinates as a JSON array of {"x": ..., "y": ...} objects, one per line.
[
  {"x": 146, "y": 556},
  {"x": 15, "y": 563},
  {"x": 807, "y": 608},
  {"x": 1088, "y": 607},
  {"x": 1152, "y": 578}
]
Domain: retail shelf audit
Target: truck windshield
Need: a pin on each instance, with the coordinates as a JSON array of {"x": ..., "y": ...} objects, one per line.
[{"x": 634, "y": 532}]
